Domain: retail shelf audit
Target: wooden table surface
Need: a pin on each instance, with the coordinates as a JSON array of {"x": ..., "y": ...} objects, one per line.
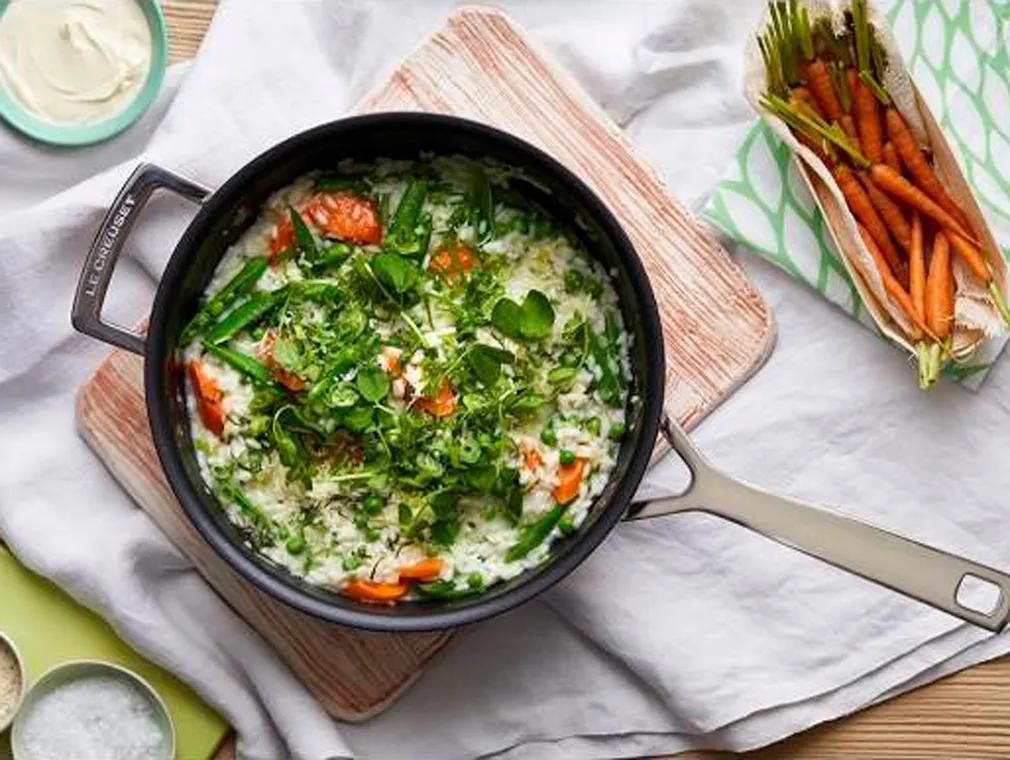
[{"x": 964, "y": 715}]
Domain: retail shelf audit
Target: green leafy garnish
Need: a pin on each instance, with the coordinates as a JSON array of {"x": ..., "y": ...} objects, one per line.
[{"x": 372, "y": 384}]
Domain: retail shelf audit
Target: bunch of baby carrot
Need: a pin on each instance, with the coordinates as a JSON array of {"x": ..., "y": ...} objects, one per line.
[{"x": 826, "y": 85}]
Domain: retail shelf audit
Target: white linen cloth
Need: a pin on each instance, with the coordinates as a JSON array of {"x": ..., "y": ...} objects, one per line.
[{"x": 678, "y": 632}]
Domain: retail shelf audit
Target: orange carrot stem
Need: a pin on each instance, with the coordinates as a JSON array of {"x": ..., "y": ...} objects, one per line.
[
  {"x": 939, "y": 289},
  {"x": 862, "y": 208},
  {"x": 891, "y": 285},
  {"x": 904, "y": 191},
  {"x": 821, "y": 87},
  {"x": 917, "y": 267},
  {"x": 889, "y": 211},
  {"x": 913, "y": 157},
  {"x": 866, "y": 111}
]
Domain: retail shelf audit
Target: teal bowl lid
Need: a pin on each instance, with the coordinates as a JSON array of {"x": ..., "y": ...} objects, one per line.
[{"x": 85, "y": 134}]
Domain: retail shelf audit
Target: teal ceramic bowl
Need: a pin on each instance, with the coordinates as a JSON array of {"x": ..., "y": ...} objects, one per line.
[
  {"x": 72, "y": 134},
  {"x": 68, "y": 672}
]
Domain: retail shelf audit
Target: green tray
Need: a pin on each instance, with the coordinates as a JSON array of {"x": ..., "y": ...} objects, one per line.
[{"x": 49, "y": 628}]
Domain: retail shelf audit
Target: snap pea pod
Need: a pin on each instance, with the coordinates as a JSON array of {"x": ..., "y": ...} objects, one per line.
[
  {"x": 323, "y": 385},
  {"x": 408, "y": 211},
  {"x": 262, "y": 526},
  {"x": 535, "y": 534},
  {"x": 239, "y": 285},
  {"x": 245, "y": 315},
  {"x": 445, "y": 590},
  {"x": 252, "y": 368}
]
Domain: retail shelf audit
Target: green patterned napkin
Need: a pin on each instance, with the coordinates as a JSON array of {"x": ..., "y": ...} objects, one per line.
[{"x": 959, "y": 55}]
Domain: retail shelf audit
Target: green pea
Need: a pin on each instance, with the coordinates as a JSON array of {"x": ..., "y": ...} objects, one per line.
[
  {"x": 593, "y": 425},
  {"x": 616, "y": 431},
  {"x": 351, "y": 563},
  {"x": 549, "y": 437},
  {"x": 567, "y": 525},
  {"x": 573, "y": 281},
  {"x": 295, "y": 544},
  {"x": 569, "y": 359},
  {"x": 566, "y": 456}
]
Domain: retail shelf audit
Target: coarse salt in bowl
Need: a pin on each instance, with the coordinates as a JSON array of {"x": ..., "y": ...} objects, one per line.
[
  {"x": 12, "y": 681},
  {"x": 90, "y": 710}
]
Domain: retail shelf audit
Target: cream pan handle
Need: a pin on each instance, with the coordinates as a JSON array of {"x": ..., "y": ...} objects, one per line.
[{"x": 939, "y": 579}]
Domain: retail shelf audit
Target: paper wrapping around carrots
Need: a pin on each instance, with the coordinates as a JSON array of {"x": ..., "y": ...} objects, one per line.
[{"x": 962, "y": 69}]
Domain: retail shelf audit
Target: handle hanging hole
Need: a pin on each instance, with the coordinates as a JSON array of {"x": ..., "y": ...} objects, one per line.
[{"x": 978, "y": 594}]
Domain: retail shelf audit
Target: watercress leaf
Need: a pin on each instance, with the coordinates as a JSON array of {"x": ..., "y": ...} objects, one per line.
[
  {"x": 526, "y": 404},
  {"x": 444, "y": 532},
  {"x": 484, "y": 365},
  {"x": 395, "y": 272},
  {"x": 405, "y": 516},
  {"x": 443, "y": 503},
  {"x": 286, "y": 353},
  {"x": 342, "y": 396},
  {"x": 372, "y": 384},
  {"x": 514, "y": 504},
  {"x": 536, "y": 316},
  {"x": 505, "y": 317},
  {"x": 358, "y": 418},
  {"x": 481, "y": 477}
]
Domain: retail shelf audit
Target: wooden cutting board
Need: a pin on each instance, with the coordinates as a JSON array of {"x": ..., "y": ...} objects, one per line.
[{"x": 717, "y": 330}]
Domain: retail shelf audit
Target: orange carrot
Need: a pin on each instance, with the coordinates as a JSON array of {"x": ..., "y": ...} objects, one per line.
[
  {"x": 889, "y": 211},
  {"x": 849, "y": 127},
  {"x": 891, "y": 284},
  {"x": 939, "y": 289},
  {"x": 444, "y": 403},
  {"x": 569, "y": 478},
  {"x": 917, "y": 267},
  {"x": 862, "y": 208},
  {"x": 424, "y": 570},
  {"x": 373, "y": 591},
  {"x": 901, "y": 189},
  {"x": 821, "y": 87},
  {"x": 867, "y": 115},
  {"x": 922, "y": 173},
  {"x": 453, "y": 261},
  {"x": 891, "y": 157},
  {"x": 282, "y": 239},
  {"x": 971, "y": 256},
  {"x": 208, "y": 399},
  {"x": 532, "y": 459},
  {"x": 290, "y": 380}
]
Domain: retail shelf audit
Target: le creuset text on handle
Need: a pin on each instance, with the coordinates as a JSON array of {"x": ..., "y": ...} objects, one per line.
[
  {"x": 86, "y": 314},
  {"x": 932, "y": 576}
]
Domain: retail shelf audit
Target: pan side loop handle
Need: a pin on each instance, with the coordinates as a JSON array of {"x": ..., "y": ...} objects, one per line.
[
  {"x": 86, "y": 313},
  {"x": 930, "y": 575}
]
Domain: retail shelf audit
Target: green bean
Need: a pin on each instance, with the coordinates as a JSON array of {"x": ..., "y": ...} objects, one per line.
[
  {"x": 239, "y": 285},
  {"x": 244, "y": 316},
  {"x": 303, "y": 237},
  {"x": 252, "y": 368},
  {"x": 408, "y": 211},
  {"x": 445, "y": 590},
  {"x": 535, "y": 534}
]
